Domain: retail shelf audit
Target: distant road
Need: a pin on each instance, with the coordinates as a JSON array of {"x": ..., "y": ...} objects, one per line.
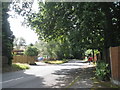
[{"x": 44, "y": 75}]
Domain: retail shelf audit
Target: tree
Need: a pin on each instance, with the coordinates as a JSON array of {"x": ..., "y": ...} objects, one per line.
[
  {"x": 7, "y": 35},
  {"x": 31, "y": 51},
  {"x": 51, "y": 23},
  {"x": 18, "y": 42},
  {"x": 83, "y": 24}
]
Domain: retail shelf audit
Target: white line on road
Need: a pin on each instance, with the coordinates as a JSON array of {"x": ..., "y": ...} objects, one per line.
[{"x": 12, "y": 80}]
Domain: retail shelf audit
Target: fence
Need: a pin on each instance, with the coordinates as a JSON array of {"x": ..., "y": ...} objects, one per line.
[
  {"x": 24, "y": 59},
  {"x": 115, "y": 64}
]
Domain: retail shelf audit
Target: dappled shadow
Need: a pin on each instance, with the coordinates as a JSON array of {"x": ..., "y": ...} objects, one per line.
[
  {"x": 20, "y": 79},
  {"x": 70, "y": 74},
  {"x": 86, "y": 77},
  {"x": 72, "y": 64},
  {"x": 68, "y": 71},
  {"x": 56, "y": 76},
  {"x": 66, "y": 76},
  {"x": 75, "y": 63}
]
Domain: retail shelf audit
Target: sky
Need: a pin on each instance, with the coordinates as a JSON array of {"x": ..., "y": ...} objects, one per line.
[{"x": 21, "y": 31}]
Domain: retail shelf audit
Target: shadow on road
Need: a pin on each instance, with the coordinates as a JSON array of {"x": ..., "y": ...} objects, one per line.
[
  {"x": 47, "y": 76},
  {"x": 70, "y": 75},
  {"x": 75, "y": 63},
  {"x": 22, "y": 80},
  {"x": 71, "y": 64},
  {"x": 67, "y": 75}
]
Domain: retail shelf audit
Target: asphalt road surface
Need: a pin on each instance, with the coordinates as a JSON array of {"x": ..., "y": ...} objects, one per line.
[{"x": 44, "y": 75}]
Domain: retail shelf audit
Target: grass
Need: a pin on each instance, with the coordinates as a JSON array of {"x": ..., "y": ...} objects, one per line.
[
  {"x": 56, "y": 61},
  {"x": 20, "y": 66},
  {"x": 15, "y": 67}
]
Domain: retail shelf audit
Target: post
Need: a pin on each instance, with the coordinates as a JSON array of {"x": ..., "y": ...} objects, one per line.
[{"x": 115, "y": 64}]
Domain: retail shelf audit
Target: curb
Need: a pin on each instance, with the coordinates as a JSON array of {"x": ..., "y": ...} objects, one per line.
[{"x": 73, "y": 82}]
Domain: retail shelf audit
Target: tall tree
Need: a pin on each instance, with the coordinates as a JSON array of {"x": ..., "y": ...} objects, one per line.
[{"x": 7, "y": 35}]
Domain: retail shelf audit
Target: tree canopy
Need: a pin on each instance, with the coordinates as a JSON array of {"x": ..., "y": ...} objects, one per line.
[
  {"x": 83, "y": 25},
  {"x": 76, "y": 27}
]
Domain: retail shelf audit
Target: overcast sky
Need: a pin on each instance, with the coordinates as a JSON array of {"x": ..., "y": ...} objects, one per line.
[{"x": 20, "y": 31}]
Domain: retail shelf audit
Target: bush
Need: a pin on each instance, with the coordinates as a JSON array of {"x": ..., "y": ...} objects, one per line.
[
  {"x": 31, "y": 51},
  {"x": 102, "y": 71}
]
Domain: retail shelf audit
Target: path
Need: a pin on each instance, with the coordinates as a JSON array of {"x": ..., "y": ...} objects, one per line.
[{"x": 45, "y": 75}]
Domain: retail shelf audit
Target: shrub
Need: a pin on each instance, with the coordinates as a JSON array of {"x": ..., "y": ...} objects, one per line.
[
  {"x": 102, "y": 71},
  {"x": 31, "y": 51}
]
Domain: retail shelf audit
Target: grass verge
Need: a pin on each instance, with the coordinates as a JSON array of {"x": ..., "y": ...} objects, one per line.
[
  {"x": 56, "y": 61},
  {"x": 105, "y": 84},
  {"x": 15, "y": 67}
]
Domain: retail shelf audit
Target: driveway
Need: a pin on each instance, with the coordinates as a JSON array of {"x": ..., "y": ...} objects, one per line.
[{"x": 45, "y": 75}]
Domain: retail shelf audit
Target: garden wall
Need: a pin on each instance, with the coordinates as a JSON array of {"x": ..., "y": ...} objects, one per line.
[{"x": 115, "y": 64}]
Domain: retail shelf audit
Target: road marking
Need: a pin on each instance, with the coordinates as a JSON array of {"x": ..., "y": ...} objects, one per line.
[{"x": 12, "y": 80}]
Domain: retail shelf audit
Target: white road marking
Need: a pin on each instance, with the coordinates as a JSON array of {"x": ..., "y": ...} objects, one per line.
[{"x": 12, "y": 80}]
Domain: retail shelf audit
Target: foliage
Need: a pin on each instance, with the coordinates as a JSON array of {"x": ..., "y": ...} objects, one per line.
[
  {"x": 102, "y": 70},
  {"x": 42, "y": 47},
  {"x": 54, "y": 49},
  {"x": 51, "y": 23},
  {"x": 18, "y": 42},
  {"x": 55, "y": 17},
  {"x": 89, "y": 51},
  {"x": 15, "y": 67},
  {"x": 76, "y": 26},
  {"x": 31, "y": 51},
  {"x": 7, "y": 35}
]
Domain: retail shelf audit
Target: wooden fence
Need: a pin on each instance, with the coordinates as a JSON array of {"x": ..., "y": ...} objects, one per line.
[
  {"x": 24, "y": 59},
  {"x": 115, "y": 64}
]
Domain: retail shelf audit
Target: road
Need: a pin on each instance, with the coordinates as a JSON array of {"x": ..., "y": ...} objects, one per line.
[{"x": 44, "y": 75}]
